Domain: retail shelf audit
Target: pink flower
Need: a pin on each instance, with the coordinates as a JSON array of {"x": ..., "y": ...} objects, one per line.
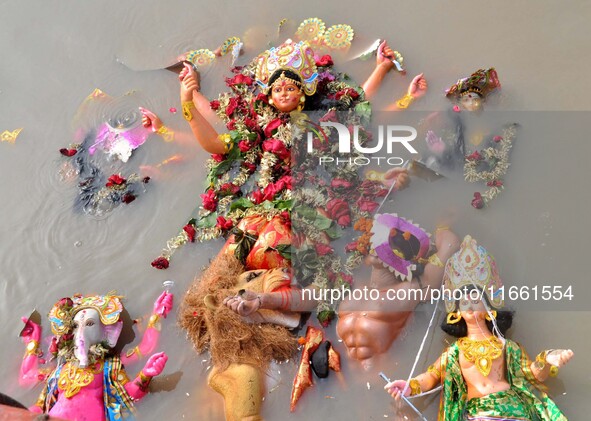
[
  {"x": 352, "y": 246},
  {"x": 338, "y": 210},
  {"x": 210, "y": 201},
  {"x": 497, "y": 139},
  {"x": 367, "y": 205},
  {"x": 339, "y": 183},
  {"x": 190, "y": 230},
  {"x": 477, "y": 202},
  {"x": 456, "y": 108},
  {"x": 323, "y": 249}
]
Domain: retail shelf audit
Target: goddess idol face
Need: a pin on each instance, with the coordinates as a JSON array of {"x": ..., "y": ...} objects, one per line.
[
  {"x": 471, "y": 101},
  {"x": 286, "y": 95}
]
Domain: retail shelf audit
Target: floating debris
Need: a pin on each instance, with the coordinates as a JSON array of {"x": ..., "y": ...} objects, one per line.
[{"x": 10, "y": 137}]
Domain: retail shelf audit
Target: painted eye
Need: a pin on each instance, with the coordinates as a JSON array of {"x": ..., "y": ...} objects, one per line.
[
  {"x": 76, "y": 325},
  {"x": 252, "y": 275},
  {"x": 90, "y": 323}
]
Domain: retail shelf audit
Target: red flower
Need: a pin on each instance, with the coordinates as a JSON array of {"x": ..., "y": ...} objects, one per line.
[
  {"x": 146, "y": 180},
  {"x": 161, "y": 263},
  {"x": 251, "y": 167},
  {"x": 271, "y": 191},
  {"x": 352, "y": 246},
  {"x": 128, "y": 198},
  {"x": 338, "y": 210},
  {"x": 273, "y": 125},
  {"x": 475, "y": 156},
  {"x": 218, "y": 157},
  {"x": 231, "y": 125},
  {"x": 232, "y": 105},
  {"x": 262, "y": 97},
  {"x": 215, "y": 104},
  {"x": 330, "y": 116},
  {"x": 285, "y": 218},
  {"x": 347, "y": 91},
  {"x": 495, "y": 183},
  {"x": 497, "y": 139},
  {"x": 477, "y": 202},
  {"x": 257, "y": 197},
  {"x": 115, "y": 180},
  {"x": 244, "y": 145},
  {"x": 68, "y": 152},
  {"x": 323, "y": 249},
  {"x": 347, "y": 278},
  {"x": 250, "y": 123},
  {"x": 239, "y": 79},
  {"x": 210, "y": 201},
  {"x": 190, "y": 230},
  {"x": 277, "y": 147},
  {"x": 228, "y": 189},
  {"x": 224, "y": 224},
  {"x": 367, "y": 205},
  {"x": 324, "y": 61},
  {"x": 339, "y": 183}
]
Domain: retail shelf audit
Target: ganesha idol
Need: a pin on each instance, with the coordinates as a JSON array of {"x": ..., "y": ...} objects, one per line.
[
  {"x": 403, "y": 262},
  {"x": 89, "y": 381}
]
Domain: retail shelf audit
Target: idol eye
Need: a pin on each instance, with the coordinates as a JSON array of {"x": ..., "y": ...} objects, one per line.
[
  {"x": 75, "y": 325},
  {"x": 252, "y": 275},
  {"x": 90, "y": 323}
]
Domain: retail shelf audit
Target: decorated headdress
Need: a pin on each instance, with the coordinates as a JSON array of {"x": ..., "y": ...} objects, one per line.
[
  {"x": 472, "y": 265},
  {"x": 399, "y": 244},
  {"x": 483, "y": 82},
  {"x": 108, "y": 306},
  {"x": 295, "y": 57}
]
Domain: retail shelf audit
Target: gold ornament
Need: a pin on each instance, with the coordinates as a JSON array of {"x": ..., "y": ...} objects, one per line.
[
  {"x": 405, "y": 101},
  {"x": 415, "y": 387},
  {"x": 186, "y": 106},
  {"x": 73, "y": 378},
  {"x": 481, "y": 353},
  {"x": 492, "y": 316},
  {"x": 10, "y": 137},
  {"x": 453, "y": 318}
]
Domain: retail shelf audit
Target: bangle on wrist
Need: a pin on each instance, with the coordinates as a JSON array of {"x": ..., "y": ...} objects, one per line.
[
  {"x": 166, "y": 133},
  {"x": 227, "y": 140},
  {"x": 186, "y": 107},
  {"x": 32, "y": 348},
  {"x": 405, "y": 101},
  {"x": 154, "y": 322},
  {"x": 415, "y": 387}
]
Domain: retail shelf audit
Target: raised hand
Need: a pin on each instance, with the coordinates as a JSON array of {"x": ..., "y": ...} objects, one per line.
[
  {"x": 418, "y": 86},
  {"x": 155, "y": 364},
  {"x": 398, "y": 175},
  {"x": 150, "y": 120},
  {"x": 385, "y": 56},
  {"x": 31, "y": 331},
  {"x": 189, "y": 82},
  {"x": 163, "y": 304},
  {"x": 434, "y": 143},
  {"x": 559, "y": 357}
]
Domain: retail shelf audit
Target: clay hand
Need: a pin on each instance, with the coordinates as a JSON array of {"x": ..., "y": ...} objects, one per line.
[
  {"x": 385, "y": 56},
  {"x": 149, "y": 119},
  {"x": 244, "y": 304},
  {"x": 434, "y": 142},
  {"x": 163, "y": 304},
  {"x": 31, "y": 331},
  {"x": 396, "y": 387},
  {"x": 155, "y": 364},
  {"x": 398, "y": 175},
  {"x": 418, "y": 86},
  {"x": 189, "y": 82},
  {"x": 559, "y": 357}
]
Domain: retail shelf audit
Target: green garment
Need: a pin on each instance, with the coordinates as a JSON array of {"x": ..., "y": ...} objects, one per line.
[{"x": 520, "y": 402}]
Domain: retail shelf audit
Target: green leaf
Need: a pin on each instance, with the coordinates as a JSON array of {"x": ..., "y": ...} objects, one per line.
[
  {"x": 334, "y": 231},
  {"x": 363, "y": 110},
  {"x": 208, "y": 221},
  {"x": 284, "y": 204},
  {"x": 322, "y": 222},
  {"x": 284, "y": 250},
  {"x": 242, "y": 203}
]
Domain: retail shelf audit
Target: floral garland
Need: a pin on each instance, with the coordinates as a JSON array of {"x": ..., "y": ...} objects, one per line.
[
  {"x": 94, "y": 192},
  {"x": 490, "y": 165},
  {"x": 268, "y": 172}
]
